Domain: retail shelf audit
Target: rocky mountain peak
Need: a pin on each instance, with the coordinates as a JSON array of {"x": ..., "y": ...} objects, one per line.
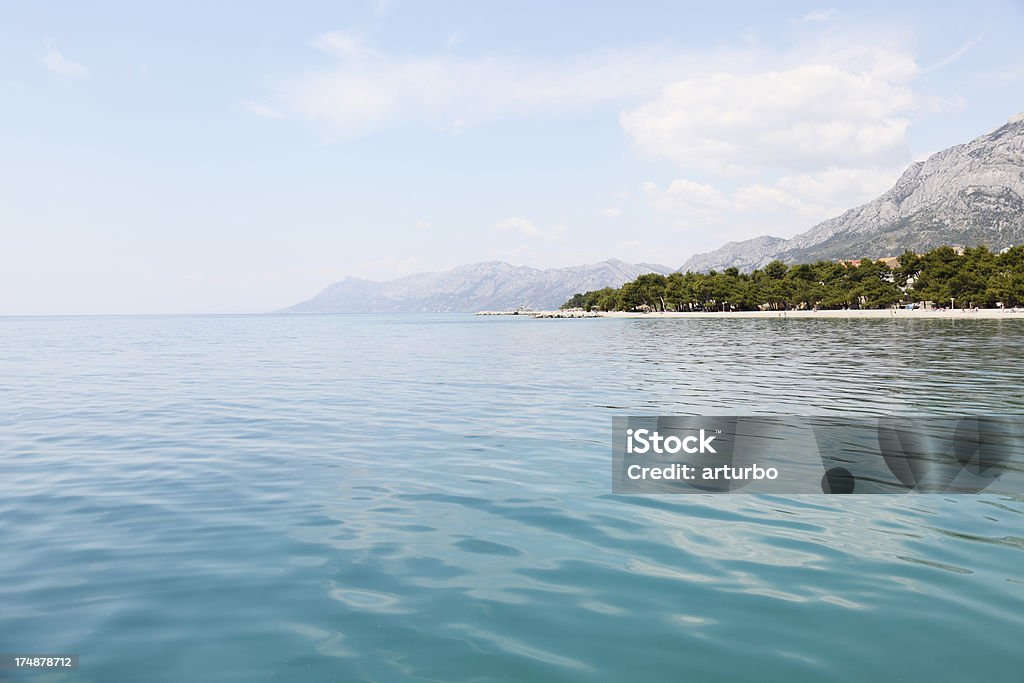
[{"x": 971, "y": 193}]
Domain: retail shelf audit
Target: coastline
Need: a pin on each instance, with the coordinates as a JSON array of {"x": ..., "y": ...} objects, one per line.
[{"x": 885, "y": 313}]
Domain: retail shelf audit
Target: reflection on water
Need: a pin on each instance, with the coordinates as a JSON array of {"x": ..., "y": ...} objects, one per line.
[{"x": 428, "y": 498}]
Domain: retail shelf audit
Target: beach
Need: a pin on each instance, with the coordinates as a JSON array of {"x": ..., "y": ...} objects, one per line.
[{"x": 901, "y": 313}]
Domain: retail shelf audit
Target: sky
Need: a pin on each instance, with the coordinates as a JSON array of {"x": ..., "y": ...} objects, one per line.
[{"x": 198, "y": 157}]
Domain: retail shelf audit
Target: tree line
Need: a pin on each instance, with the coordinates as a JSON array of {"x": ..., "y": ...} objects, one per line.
[{"x": 977, "y": 277}]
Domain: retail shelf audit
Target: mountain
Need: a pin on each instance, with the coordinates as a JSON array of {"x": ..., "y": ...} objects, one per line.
[
  {"x": 493, "y": 285},
  {"x": 966, "y": 195}
]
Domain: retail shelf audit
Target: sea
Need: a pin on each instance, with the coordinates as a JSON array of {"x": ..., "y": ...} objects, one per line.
[{"x": 429, "y": 498}]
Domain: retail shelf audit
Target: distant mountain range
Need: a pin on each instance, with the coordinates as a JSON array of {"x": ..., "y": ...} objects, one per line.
[
  {"x": 968, "y": 194},
  {"x": 493, "y": 285}
]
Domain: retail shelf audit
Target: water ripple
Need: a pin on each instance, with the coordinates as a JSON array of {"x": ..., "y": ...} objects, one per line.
[{"x": 427, "y": 498}]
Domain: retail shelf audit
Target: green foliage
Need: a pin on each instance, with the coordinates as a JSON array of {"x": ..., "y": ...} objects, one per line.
[
  {"x": 606, "y": 299},
  {"x": 977, "y": 277}
]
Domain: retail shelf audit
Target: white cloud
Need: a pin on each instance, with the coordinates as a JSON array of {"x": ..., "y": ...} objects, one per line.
[
  {"x": 783, "y": 146},
  {"x": 365, "y": 88},
  {"x": 260, "y": 109},
  {"x": 345, "y": 44},
  {"x": 815, "y": 196},
  {"x": 789, "y": 204},
  {"x": 733, "y": 108},
  {"x": 956, "y": 54},
  {"x": 688, "y": 200},
  {"x": 611, "y": 212},
  {"x": 841, "y": 109},
  {"x": 423, "y": 225},
  {"x": 57, "y": 63},
  {"x": 836, "y": 189},
  {"x": 763, "y": 198}
]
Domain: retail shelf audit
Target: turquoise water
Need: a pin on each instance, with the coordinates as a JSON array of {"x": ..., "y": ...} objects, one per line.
[{"x": 375, "y": 498}]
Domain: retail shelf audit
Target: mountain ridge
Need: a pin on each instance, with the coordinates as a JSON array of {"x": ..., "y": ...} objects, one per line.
[{"x": 488, "y": 285}]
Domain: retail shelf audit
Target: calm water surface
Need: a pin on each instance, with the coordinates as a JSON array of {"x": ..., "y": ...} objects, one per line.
[{"x": 383, "y": 498}]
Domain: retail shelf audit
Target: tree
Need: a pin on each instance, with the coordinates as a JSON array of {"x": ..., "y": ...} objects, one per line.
[
  {"x": 575, "y": 301},
  {"x": 776, "y": 270},
  {"x": 976, "y": 277},
  {"x": 646, "y": 290}
]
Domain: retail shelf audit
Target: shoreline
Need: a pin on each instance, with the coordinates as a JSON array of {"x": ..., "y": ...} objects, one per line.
[{"x": 885, "y": 313}]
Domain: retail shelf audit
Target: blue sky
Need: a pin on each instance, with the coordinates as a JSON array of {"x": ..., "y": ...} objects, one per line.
[{"x": 237, "y": 157}]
